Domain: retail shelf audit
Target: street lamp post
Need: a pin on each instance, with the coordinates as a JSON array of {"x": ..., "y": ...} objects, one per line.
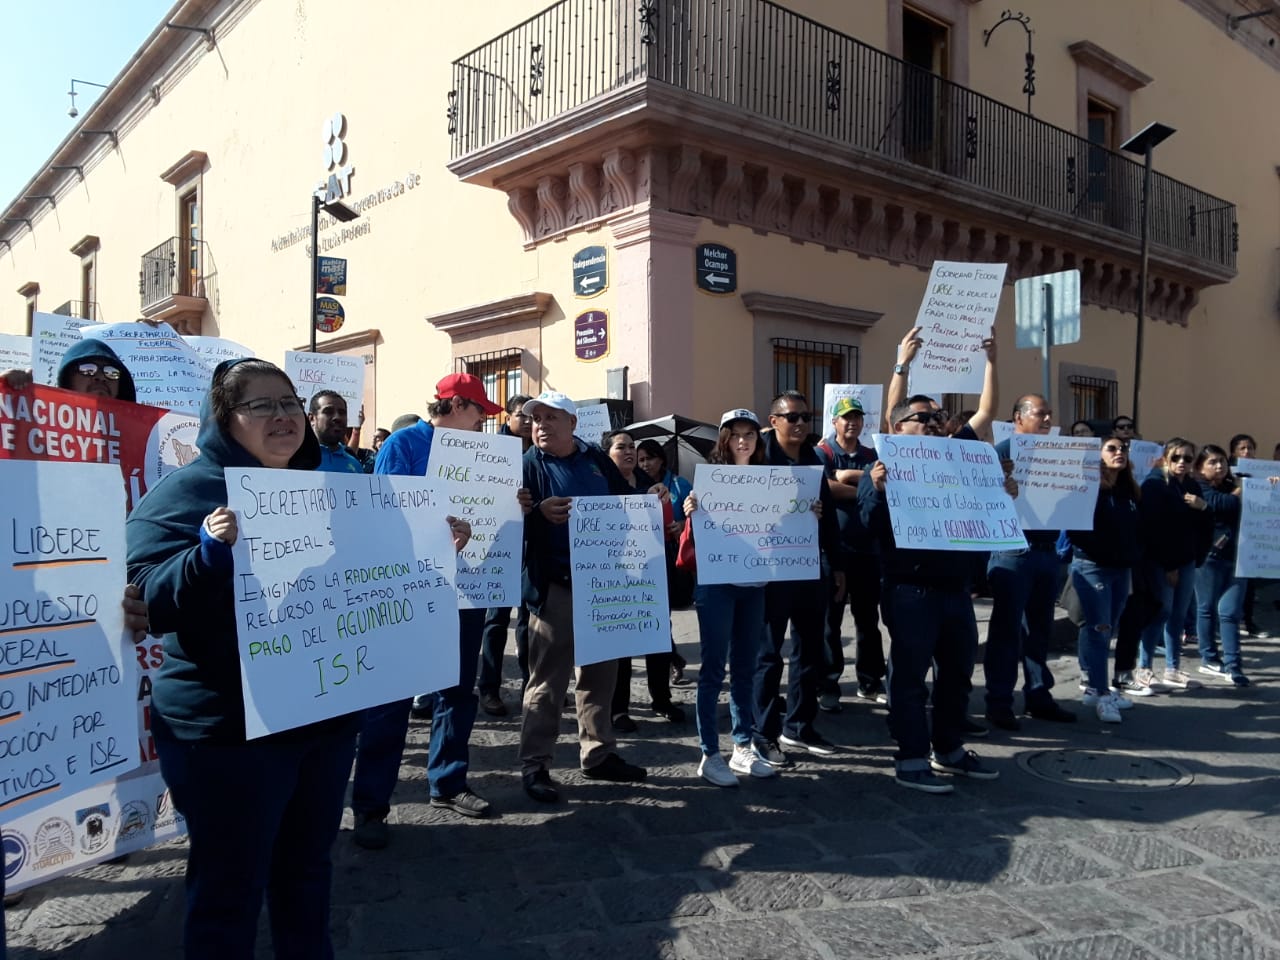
[
  {"x": 339, "y": 211},
  {"x": 1143, "y": 143}
]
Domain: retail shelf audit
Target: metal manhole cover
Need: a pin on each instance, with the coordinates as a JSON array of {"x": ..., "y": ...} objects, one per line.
[{"x": 1105, "y": 770}]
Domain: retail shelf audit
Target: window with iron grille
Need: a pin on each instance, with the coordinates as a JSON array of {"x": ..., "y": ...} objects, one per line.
[
  {"x": 1093, "y": 398},
  {"x": 809, "y": 365},
  {"x": 502, "y": 373}
]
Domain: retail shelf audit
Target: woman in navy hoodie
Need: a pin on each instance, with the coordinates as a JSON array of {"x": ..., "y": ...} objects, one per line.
[
  {"x": 261, "y": 814},
  {"x": 1219, "y": 592}
]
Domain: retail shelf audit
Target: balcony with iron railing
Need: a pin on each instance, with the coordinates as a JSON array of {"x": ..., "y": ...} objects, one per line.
[
  {"x": 173, "y": 283},
  {"x": 816, "y": 103}
]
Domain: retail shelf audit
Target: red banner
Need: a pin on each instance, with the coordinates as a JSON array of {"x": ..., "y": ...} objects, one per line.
[{"x": 46, "y": 423}]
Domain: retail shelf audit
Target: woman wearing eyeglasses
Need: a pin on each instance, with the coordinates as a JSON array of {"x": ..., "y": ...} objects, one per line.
[
  {"x": 1219, "y": 593},
  {"x": 1102, "y": 558},
  {"x": 1173, "y": 525},
  {"x": 261, "y": 814}
]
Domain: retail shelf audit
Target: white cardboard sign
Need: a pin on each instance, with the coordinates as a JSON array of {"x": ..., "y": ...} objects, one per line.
[
  {"x": 313, "y": 372},
  {"x": 478, "y": 475},
  {"x": 871, "y": 396},
  {"x": 15, "y": 352},
  {"x": 213, "y": 350},
  {"x": 619, "y": 570},
  {"x": 344, "y": 593},
  {"x": 1143, "y": 455},
  {"x": 1057, "y": 480},
  {"x": 1258, "y": 552},
  {"x": 1256, "y": 468},
  {"x": 593, "y": 422},
  {"x": 957, "y": 313},
  {"x": 756, "y": 524},
  {"x": 167, "y": 372},
  {"x": 52, "y": 335},
  {"x": 947, "y": 494},
  {"x": 68, "y": 681}
]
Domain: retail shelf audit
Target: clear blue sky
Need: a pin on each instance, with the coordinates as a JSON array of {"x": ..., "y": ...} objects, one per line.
[{"x": 47, "y": 43}]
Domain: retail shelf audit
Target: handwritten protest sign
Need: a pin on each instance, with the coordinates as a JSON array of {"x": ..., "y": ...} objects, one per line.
[
  {"x": 1057, "y": 480},
  {"x": 166, "y": 370},
  {"x": 871, "y": 396},
  {"x": 477, "y": 476},
  {"x": 946, "y": 494},
  {"x": 619, "y": 569},
  {"x": 66, "y": 688},
  {"x": 955, "y": 316},
  {"x": 213, "y": 350},
  {"x": 15, "y": 352},
  {"x": 52, "y": 335},
  {"x": 1256, "y": 468},
  {"x": 45, "y": 423},
  {"x": 1258, "y": 552},
  {"x": 313, "y": 372},
  {"x": 756, "y": 524},
  {"x": 593, "y": 422},
  {"x": 344, "y": 593},
  {"x": 1143, "y": 455}
]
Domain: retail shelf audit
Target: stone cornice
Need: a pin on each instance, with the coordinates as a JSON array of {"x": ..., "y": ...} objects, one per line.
[
  {"x": 85, "y": 245},
  {"x": 29, "y": 289},
  {"x": 793, "y": 308},
  {"x": 185, "y": 169},
  {"x": 1089, "y": 54},
  {"x": 509, "y": 311},
  {"x": 360, "y": 338}
]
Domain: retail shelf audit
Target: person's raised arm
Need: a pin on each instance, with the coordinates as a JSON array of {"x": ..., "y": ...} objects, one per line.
[
  {"x": 990, "y": 398},
  {"x": 897, "y": 393}
]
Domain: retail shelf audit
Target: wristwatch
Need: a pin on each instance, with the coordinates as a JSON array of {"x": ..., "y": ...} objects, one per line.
[{"x": 900, "y": 369}]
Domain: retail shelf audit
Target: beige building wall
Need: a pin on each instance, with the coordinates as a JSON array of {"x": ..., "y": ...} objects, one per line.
[{"x": 255, "y": 105}]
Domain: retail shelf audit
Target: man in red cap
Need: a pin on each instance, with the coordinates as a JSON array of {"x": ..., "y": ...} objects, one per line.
[{"x": 460, "y": 404}]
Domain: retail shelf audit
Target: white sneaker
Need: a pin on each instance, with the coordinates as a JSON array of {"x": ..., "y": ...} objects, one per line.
[
  {"x": 714, "y": 770},
  {"x": 1173, "y": 677},
  {"x": 1108, "y": 709},
  {"x": 744, "y": 760},
  {"x": 1091, "y": 699}
]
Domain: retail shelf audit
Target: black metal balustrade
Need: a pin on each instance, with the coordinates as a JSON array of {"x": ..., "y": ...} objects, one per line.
[
  {"x": 174, "y": 268},
  {"x": 770, "y": 62}
]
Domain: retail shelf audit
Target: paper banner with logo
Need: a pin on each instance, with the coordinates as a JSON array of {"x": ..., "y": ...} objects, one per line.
[
  {"x": 756, "y": 524},
  {"x": 15, "y": 352},
  {"x": 947, "y": 494},
  {"x": 313, "y": 372},
  {"x": 167, "y": 372},
  {"x": 133, "y": 811},
  {"x": 213, "y": 350},
  {"x": 1057, "y": 480},
  {"x": 955, "y": 316},
  {"x": 593, "y": 422},
  {"x": 619, "y": 569},
  {"x": 52, "y": 335},
  {"x": 345, "y": 595},
  {"x": 478, "y": 474},
  {"x": 66, "y": 688},
  {"x": 871, "y": 396},
  {"x": 1258, "y": 552}
]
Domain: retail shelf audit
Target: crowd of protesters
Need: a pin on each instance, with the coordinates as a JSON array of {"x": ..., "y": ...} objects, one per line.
[{"x": 1155, "y": 572}]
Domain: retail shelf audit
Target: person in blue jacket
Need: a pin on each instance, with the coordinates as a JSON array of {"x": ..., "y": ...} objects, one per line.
[
  {"x": 1219, "y": 592},
  {"x": 261, "y": 814}
]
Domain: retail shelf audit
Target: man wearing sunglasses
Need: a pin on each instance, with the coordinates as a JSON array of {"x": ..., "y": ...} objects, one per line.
[
  {"x": 801, "y": 603},
  {"x": 929, "y": 613},
  {"x": 90, "y": 367},
  {"x": 1024, "y": 591}
]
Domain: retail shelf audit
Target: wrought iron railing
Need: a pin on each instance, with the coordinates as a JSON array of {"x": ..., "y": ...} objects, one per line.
[
  {"x": 85, "y": 310},
  {"x": 174, "y": 268},
  {"x": 775, "y": 64}
]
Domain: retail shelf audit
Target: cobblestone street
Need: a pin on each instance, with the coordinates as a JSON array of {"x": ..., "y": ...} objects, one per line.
[{"x": 1166, "y": 843}]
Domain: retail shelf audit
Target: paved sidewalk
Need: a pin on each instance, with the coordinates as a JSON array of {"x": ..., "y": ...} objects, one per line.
[{"x": 830, "y": 860}]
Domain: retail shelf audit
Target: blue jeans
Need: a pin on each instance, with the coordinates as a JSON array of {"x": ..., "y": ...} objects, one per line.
[
  {"x": 730, "y": 625},
  {"x": 261, "y": 817},
  {"x": 382, "y": 737},
  {"x": 493, "y": 646},
  {"x": 1220, "y": 608},
  {"x": 929, "y": 626},
  {"x": 1102, "y": 592},
  {"x": 1174, "y": 601},
  {"x": 1024, "y": 591},
  {"x": 803, "y": 604}
]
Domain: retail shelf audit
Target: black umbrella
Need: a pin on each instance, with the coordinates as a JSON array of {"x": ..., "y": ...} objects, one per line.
[{"x": 685, "y": 441}]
